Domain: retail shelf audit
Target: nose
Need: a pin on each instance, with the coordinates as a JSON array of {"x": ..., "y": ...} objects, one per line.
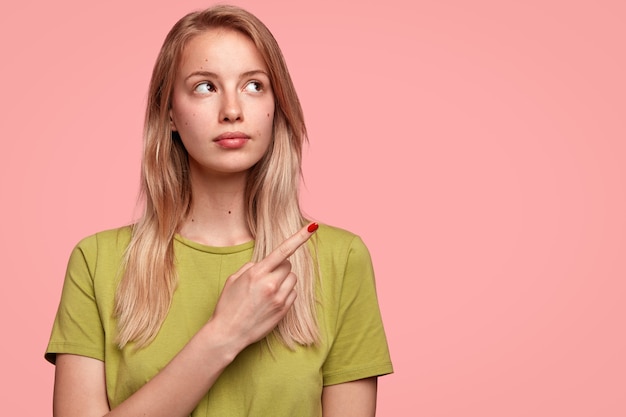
[{"x": 231, "y": 108}]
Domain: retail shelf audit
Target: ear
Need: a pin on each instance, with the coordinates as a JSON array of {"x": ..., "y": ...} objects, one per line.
[{"x": 172, "y": 123}]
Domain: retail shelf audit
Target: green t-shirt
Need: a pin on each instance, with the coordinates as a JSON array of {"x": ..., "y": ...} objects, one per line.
[{"x": 259, "y": 382}]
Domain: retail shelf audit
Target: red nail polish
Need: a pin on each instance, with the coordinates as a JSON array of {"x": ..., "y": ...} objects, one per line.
[{"x": 312, "y": 227}]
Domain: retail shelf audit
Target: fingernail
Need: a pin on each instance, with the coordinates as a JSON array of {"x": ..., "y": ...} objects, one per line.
[{"x": 312, "y": 227}]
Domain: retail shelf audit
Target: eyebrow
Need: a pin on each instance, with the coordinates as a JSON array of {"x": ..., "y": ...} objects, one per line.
[{"x": 214, "y": 75}]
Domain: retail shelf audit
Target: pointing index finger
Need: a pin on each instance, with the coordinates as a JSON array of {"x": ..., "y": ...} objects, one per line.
[{"x": 289, "y": 246}]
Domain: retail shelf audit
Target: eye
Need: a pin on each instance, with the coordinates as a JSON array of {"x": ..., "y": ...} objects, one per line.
[
  {"x": 254, "y": 87},
  {"x": 204, "y": 88}
]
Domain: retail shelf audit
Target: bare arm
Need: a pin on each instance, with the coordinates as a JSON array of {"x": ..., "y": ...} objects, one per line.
[
  {"x": 350, "y": 399},
  {"x": 80, "y": 388},
  {"x": 252, "y": 303}
]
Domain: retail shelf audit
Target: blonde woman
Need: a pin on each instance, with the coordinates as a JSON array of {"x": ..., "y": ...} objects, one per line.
[{"x": 222, "y": 300}]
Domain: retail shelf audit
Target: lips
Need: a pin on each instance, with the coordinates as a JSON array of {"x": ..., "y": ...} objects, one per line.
[{"x": 231, "y": 140}]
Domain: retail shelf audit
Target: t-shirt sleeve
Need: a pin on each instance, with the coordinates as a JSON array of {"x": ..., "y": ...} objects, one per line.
[
  {"x": 359, "y": 346},
  {"x": 77, "y": 328}
]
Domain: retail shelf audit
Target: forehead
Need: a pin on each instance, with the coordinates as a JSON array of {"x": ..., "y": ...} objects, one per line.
[{"x": 220, "y": 50}]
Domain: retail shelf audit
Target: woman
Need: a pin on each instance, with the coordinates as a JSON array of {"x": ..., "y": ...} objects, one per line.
[{"x": 195, "y": 309}]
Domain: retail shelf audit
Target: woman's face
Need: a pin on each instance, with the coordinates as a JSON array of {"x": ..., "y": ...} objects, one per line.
[{"x": 222, "y": 103}]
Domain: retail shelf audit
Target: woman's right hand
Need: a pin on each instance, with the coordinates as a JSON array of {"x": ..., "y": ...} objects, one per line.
[{"x": 258, "y": 296}]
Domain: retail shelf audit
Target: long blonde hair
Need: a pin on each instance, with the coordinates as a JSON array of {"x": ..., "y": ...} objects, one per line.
[{"x": 149, "y": 276}]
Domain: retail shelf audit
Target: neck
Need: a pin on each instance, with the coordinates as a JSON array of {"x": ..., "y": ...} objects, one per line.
[{"x": 218, "y": 211}]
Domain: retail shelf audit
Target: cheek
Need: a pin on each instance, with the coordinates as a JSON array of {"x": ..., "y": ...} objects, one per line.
[
  {"x": 269, "y": 116},
  {"x": 269, "y": 124},
  {"x": 264, "y": 119},
  {"x": 184, "y": 112},
  {"x": 188, "y": 120}
]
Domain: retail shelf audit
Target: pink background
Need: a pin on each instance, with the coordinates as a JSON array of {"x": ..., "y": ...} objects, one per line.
[{"x": 478, "y": 147}]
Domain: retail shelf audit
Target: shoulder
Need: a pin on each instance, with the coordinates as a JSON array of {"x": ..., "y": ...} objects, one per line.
[
  {"x": 333, "y": 232},
  {"x": 335, "y": 235},
  {"x": 339, "y": 244},
  {"x": 111, "y": 242},
  {"x": 120, "y": 235}
]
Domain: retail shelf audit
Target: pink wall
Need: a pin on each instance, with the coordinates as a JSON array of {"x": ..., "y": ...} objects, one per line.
[{"x": 477, "y": 147}]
